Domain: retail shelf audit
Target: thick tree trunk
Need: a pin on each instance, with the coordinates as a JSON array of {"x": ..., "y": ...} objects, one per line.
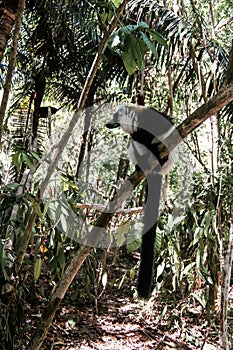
[
  {"x": 11, "y": 66},
  {"x": 8, "y": 15}
]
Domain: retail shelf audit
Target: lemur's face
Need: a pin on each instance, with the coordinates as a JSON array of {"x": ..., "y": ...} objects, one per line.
[{"x": 126, "y": 118}]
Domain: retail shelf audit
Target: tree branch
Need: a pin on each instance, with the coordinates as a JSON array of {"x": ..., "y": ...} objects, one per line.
[{"x": 102, "y": 207}]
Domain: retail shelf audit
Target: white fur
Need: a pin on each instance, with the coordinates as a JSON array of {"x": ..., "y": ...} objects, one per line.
[{"x": 128, "y": 118}]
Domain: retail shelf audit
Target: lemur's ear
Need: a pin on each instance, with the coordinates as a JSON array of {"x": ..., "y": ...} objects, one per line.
[{"x": 140, "y": 100}]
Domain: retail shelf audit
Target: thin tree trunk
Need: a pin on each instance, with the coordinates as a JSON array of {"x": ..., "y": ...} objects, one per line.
[
  {"x": 214, "y": 118},
  {"x": 214, "y": 146},
  {"x": 11, "y": 66},
  {"x": 40, "y": 84},
  {"x": 24, "y": 241},
  {"x": 85, "y": 140},
  {"x": 225, "y": 284},
  {"x": 170, "y": 106}
]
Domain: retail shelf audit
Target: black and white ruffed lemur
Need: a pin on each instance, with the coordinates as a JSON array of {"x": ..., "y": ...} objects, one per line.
[{"x": 147, "y": 128}]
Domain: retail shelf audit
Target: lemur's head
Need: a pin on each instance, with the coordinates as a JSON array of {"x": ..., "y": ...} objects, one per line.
[
  {"x": 136, "y": 118},
  {"x": 126, "y": 117}
]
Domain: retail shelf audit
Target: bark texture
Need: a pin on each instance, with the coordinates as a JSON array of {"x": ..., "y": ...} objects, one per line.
[
  {"x": 8, "y": 15},
  {"x": 11, "y": 66}
]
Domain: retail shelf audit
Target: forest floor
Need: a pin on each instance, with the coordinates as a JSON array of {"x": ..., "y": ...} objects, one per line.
[{"x": 117, "y": 321}]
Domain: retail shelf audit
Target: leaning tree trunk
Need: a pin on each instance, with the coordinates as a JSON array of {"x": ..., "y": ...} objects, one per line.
[{"x": 11, "y": 66}]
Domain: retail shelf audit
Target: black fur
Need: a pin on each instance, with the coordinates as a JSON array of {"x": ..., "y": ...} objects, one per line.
[{"x": 147, "y": 128}]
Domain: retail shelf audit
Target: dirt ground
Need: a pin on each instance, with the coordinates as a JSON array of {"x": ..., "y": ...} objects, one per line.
[{"x": 117, "y": 321}]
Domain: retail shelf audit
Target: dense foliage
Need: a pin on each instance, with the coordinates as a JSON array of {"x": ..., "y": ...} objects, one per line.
[{"x": 176, "y": 54}]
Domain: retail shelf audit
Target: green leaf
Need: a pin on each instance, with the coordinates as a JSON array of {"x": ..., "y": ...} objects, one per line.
[
  {"x": 138, "y": 51},
  {"x": 188, "y": 268},
  {"x": 63, "y": 223},
  {"x": 37, "y": 248},
  {"x": 36, "y": 207},
  {"x": 61, "y": 257},
  {"x": 158, "y": 37},
  {"x": 178, "y": 220},
  {"x": 143, "y": 25},
  {"x": 200, "y": 299},
  {"x": 133, "y": 245},
  {"x": 129, "y": 62},
  {"x": 132, "y": 274},
  {"x": 122, "y": 281},
  {"x": 149, "y": 44},
  {"x": 17, "y": 160},
  {"x": 29, "y": 162},
  {"x": 46, "y": 206},
  {"x": 11, "y": 186},
  {"x": 169, "y": 223},
  {"x": 128, "y": 29},
  {"x": 116, "y": 3},
  {"x": 104, "y": 17},
  {"x": 207, "y": 220},
  {"x": 71, "y": 323},
  {"x": 37, "y": 268},
  {"x": 163, "y": 312},
  {"x": 160, "y": 269},
  {"x": 35, "y": 155},
  {"x": 158, "y": 240},
  {"x": 3, "y": 259},
  {"x": 122, "y": 232}
]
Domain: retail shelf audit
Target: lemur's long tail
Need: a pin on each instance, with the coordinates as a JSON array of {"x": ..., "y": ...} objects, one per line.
[{"x": 154, "y": 182}]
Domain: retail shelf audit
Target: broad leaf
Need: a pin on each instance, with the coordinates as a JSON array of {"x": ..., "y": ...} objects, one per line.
[
  {"x": 158, "y": 37},
  {"x": 149, "y": 44}
]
